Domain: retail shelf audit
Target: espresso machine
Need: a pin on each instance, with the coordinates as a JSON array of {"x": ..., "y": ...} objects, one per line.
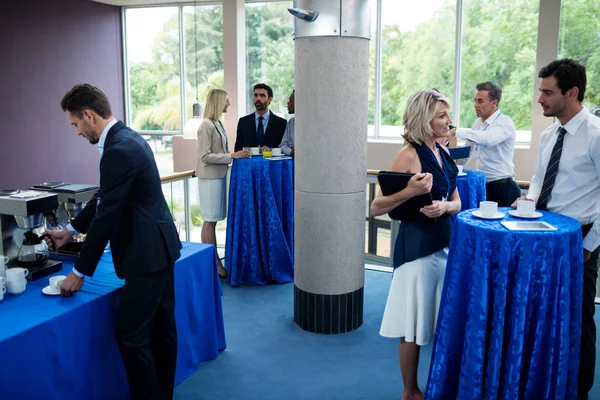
[
  {"x": 22, "y": 222},
  {"x": 72, "y": 199}
]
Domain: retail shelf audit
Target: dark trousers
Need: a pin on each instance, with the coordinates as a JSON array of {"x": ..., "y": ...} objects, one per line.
[
  {"x": 504, "y": 192},
  {"x": 587, "y": 354},
  {"x": 147, "y": 336}
]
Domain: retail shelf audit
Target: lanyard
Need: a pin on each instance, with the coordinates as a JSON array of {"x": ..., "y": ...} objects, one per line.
[
  {"x": 443, "y": 167},
  {"x": 498, "y": 116}
]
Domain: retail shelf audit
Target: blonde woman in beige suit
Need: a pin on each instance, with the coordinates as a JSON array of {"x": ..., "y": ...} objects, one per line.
[{"x": 211, "y": 167}]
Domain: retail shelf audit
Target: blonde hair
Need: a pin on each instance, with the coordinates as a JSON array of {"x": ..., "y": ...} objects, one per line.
[
  {"x": 215, "y": 103},
  {"x": 421, "y": 108}
]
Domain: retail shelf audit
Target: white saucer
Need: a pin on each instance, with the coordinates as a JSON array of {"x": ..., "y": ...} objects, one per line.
[
  {"x": 498, "y": 215},
  {"x": 461, "y": 174},
  {"x": 535, "y": 214},
  {"x": 49, "y": 291}
]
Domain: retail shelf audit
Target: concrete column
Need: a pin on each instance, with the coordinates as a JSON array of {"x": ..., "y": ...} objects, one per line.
[
  {"x": 234, "y": 63},
  {"x": 332, "y": 66}
]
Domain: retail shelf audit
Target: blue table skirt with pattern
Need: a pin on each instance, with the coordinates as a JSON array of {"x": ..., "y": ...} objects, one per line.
[
  {"x": 260, "y": 222},
  {"x": 64, "y": 348},
  {"x": 471, "y": 189},
  {"x": 509, "y": 323}
]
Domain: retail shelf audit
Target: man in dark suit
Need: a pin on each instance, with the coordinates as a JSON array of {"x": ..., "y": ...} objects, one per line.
[
  {"x": 262, "y": 128},
  {"x": 130, "y": 211}
]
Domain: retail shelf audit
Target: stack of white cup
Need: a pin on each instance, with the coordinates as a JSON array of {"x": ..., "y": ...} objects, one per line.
[
  {"x": 3, "y": 262},
  {"x": 15, "y": 280}
]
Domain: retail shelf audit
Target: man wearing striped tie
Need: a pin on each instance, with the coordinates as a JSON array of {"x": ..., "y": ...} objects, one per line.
[{"x": 567, "y": 181}]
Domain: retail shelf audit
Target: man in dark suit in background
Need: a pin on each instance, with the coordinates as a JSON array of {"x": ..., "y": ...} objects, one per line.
[
  {"x": 130, "y": 211},
  {"x": 262, "y": 128}
]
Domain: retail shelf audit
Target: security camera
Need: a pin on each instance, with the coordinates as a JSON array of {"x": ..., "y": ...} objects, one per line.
[{"x": 306, "y": 15}]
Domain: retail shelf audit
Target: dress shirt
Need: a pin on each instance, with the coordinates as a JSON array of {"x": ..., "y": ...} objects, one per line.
[
  {"x": 101, "y": 142},
  {"x": 492, "y": 145},
  {"x": 288, "y": 137},
  {"x": 266, "y": 117},
  {"x": 577, "y": 187}
]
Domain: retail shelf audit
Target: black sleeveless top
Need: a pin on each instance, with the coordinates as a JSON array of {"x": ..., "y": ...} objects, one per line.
[{"x": 427, "y": 236}]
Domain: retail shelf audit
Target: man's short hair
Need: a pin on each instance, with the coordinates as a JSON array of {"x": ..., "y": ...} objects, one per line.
[
  {"x": 568, "y": 73},
  {"x": 84, "y": 96},
  {"x": 494, "y": 90},
  {"x": 265, "y": 87}
]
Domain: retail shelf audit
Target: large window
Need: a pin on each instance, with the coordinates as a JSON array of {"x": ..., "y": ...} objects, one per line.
[
  {"x": 580, "y": 39},
  {"x": 153, "y": 66},
  {"x": 159, "y": 102},
  {"x": 499, "y": 45},
  {"x": 270, "y": 51},
  {"x": 417, "y": 52}
]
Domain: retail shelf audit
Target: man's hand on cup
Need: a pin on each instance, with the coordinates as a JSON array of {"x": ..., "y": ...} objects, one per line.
[
  {"x": 514, "y": 205},
  {"x": 241, "y": 154}
]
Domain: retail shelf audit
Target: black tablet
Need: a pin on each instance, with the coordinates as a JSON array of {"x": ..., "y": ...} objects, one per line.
[{"x": 393, "y": 182}]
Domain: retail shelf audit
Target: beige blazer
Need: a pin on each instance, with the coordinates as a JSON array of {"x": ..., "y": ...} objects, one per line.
[{"x": 213, "y": 156}]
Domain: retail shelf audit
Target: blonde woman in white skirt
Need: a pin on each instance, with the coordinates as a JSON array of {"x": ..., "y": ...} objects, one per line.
[
  {"x": 212, "y": 162},
  {"x": 421, "y": 246}
]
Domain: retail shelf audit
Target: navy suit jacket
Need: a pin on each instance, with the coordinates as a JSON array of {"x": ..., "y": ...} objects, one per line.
[
  {"x": 129, "y": 210},
  {"x": 246, "y": 132}
]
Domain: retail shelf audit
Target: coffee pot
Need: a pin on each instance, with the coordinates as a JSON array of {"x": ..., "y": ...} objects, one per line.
[{"x": 33, "y": 251}]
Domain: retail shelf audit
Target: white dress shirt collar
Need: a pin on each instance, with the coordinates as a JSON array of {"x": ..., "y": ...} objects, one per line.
[
  {"x": 574, "y": 123},
  {"x": 492, "y": 117},
  {"x": 265, "y": 116},
  {"x": 104, "y": 134}
]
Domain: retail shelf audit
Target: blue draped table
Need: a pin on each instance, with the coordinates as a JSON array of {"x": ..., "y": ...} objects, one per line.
[
  {"x": 471, "y": 189},
  {"x": 509, "y": 323},
  {"x": 260, "y": 222},
  {"x": 65, "y": 349}
]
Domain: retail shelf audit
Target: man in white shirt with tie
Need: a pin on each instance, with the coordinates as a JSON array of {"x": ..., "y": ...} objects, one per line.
[
  {"x": 566, "y": 181},
  {"x": 492, "y": 138}
]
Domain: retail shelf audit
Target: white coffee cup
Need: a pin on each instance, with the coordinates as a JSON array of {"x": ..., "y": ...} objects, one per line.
[
  {"x": 488, "y": 208},
  {"x": 276, "y": 151},
  {"x": 16, "y": 287},
  {"x": 2, "y": 281},
  {"x": 56, "y": 282},
  {"x": 16, "y": 275},
  {"x": 460, "y": 169},
  {"x": 525, "y": 208},
  {"x": 2, "y": 291},
  {"x": 255, "y": 151},
  {"x": 4, "y": 259}
]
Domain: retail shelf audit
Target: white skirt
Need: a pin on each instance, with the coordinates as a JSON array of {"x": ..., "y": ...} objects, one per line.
[
  {"x": 213, "y": 199},
  {"x": 413, "y": 302}
]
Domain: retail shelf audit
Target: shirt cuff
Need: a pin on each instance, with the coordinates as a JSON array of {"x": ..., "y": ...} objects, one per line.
[
  {"x": 591, "y": 241},
  {"x": 79, "y": 274},
  {"x": 70, "y": 227}
]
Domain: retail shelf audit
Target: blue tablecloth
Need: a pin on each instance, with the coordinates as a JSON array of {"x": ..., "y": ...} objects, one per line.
[
  {"x": 260, "y": 222},
  {"x": 509, "y": 324},
  {"x": 65, "y": 349},
  {"x": 471, "y": 189}
]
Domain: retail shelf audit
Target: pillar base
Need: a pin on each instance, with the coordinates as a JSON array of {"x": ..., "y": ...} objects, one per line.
[{"x": 328, "y": 314}]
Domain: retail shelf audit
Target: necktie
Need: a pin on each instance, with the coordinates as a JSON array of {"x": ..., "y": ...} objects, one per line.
[
  {"x": 551, "y": 171},
  {"x": 261, "y": 130}
]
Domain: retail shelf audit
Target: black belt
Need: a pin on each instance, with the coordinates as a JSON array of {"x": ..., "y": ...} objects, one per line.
[
  {"x": 499, "y": 182},
  {"x": 585, "y": 229}
]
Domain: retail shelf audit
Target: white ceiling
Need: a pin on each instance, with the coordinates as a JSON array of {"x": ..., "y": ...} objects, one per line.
[{"x": 146, "y": 2}]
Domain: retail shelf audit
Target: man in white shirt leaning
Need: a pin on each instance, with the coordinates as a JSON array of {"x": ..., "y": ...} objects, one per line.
[
  {"x": 492, "y": 138},
  {"x": 566, "y": 181}
]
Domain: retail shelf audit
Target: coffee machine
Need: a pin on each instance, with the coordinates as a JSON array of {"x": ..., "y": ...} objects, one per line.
[
  {"x": 72, "y": 199},
  {"x": 22, "y": 221}
]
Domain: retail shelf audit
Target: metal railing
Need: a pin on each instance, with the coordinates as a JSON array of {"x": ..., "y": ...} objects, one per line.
[
  {"x": 185, "y": 178},
  {"x": 374, "y": 224}
]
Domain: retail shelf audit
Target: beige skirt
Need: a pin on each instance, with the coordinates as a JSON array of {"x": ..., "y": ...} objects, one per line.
[{"x": 213, "y": 198}]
